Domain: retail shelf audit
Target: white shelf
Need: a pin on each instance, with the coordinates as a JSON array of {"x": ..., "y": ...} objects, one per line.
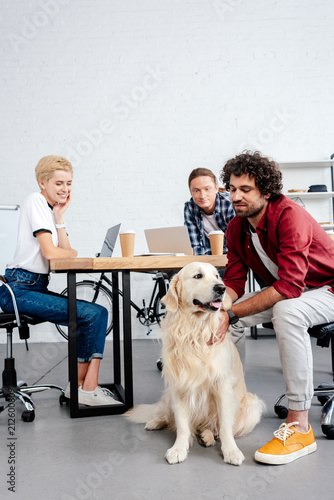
[
  {"x": 307, "y": 164},
  {"x": 313, "y": 194}
]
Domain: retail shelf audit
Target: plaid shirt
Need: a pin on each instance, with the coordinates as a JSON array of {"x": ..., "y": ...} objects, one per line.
[{"x": 193, "y": 219}]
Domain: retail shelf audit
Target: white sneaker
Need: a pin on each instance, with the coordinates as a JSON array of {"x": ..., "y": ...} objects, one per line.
[
  {"x": 99, "y": 397},
  {"x": 67, "y": 392}
]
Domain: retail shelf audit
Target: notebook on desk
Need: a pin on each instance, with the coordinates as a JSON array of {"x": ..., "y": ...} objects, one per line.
[
  {"x": 109, "y": 241},
  {"x": 168, "y": 240}
]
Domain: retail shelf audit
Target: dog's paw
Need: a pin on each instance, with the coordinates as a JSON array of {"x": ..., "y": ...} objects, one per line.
[
  {"x": 233, "y": 456},
  {"x": 207, "y": 438},
  {"x": 176, "y": 455}
]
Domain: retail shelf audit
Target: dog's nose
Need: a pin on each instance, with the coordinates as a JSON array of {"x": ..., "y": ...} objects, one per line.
[{"x": 219, "y": 288}]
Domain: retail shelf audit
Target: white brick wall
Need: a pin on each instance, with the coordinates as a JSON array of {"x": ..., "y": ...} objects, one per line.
[{"x": 137, "y": 94}]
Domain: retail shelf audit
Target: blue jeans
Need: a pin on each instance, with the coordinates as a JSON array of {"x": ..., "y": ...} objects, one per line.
[{"x": 34, "y": 298}]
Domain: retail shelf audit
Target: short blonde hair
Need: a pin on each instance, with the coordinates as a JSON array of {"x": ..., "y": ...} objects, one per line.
[{"x": 47, "y": 166}]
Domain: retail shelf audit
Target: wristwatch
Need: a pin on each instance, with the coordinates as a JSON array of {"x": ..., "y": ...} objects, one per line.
[{"x": 232, "y": 317}]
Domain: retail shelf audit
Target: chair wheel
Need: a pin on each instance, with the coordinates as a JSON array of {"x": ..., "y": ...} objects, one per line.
[
  {"x": 328, "y": 430},
  {"x": 63, "y": 400},
  {"x": 159, "y": 364},
  {"x": 281, "y": 411},
  {"x": 28, "y": 416}
]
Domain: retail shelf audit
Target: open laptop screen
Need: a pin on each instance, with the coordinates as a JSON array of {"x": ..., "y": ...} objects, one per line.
[
  {"x": 168, "y": 240},
  {"x": 109, "y": 241}
]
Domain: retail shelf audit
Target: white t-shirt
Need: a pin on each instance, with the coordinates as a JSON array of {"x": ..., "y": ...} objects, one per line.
[
  {"x": 36, "y": 216},
  {"x": 210, "y": 224},
  {"x": 268, "y": 263}
]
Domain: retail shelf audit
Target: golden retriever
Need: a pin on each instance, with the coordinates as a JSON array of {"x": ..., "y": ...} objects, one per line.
[{"x": 205, "y": 391}]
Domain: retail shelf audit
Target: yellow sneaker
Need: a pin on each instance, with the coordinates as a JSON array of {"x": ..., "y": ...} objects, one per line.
[{"x": 287, "y": 445}]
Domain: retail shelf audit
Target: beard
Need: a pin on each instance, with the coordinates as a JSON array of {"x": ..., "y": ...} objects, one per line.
[{"x": 251, "y": 211}]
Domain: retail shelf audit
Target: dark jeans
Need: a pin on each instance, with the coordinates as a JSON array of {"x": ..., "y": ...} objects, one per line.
[{"x": 34, "y": 298}]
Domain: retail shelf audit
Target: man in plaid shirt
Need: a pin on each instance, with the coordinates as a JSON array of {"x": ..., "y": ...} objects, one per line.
[{"x": 208, "y": 210}]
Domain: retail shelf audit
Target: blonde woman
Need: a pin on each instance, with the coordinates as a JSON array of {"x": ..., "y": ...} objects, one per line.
[{"x": 42, "y": 236}]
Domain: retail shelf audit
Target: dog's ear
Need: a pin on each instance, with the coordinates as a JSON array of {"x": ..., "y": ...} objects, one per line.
[
  {"x": 171, "y": 299},
  {"x": 227, "y": 302}
]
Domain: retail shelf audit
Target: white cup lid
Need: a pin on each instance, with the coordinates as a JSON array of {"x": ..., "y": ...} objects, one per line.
[{"x": 216, "y": 232}]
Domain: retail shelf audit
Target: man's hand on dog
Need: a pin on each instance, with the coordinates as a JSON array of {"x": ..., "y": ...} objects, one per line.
[{"x": 222, "y": 329}]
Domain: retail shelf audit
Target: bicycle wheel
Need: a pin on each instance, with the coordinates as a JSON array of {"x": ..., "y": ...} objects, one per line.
[
  {"x": 86, "y": 290},
  {"x": 159, "y": 309}
]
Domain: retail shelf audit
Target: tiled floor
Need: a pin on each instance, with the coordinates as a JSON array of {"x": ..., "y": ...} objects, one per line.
[{"x": 59, "y": 458}]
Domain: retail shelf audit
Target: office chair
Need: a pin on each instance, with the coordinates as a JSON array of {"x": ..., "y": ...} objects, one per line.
[{"x": 11, "y": 389}]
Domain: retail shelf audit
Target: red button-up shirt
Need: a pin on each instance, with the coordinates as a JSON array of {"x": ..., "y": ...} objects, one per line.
[{"x": 292, "y": 239}]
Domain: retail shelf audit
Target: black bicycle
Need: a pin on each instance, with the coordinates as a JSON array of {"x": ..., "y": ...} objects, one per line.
[{"x": 100, "y": 292}]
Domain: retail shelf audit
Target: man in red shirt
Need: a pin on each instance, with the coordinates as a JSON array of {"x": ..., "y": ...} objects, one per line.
[{"x": 285, "y": 246}]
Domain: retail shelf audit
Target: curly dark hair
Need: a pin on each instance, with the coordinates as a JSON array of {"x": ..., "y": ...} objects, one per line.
[{"x": 266, "y": 172}]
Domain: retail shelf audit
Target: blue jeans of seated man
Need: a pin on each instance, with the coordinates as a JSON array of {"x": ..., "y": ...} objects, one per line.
[{"x": 33, "y": 297}]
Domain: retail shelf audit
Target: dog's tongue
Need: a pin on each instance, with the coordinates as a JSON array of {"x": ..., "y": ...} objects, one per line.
[{"x": 216, "y": 304}]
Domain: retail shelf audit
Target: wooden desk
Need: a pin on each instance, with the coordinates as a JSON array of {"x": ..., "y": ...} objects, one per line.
[{"x": 115, "y": 265}]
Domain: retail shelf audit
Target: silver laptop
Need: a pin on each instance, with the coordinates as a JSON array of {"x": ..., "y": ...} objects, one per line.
[
  {"x": 168, "y": 240},
  {"x": 109, "y": 241}
]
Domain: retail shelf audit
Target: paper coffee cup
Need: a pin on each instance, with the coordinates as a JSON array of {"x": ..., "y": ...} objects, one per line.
[
  {"x": 127, "y": 239},
  {"x": 216, "y": 242}
]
